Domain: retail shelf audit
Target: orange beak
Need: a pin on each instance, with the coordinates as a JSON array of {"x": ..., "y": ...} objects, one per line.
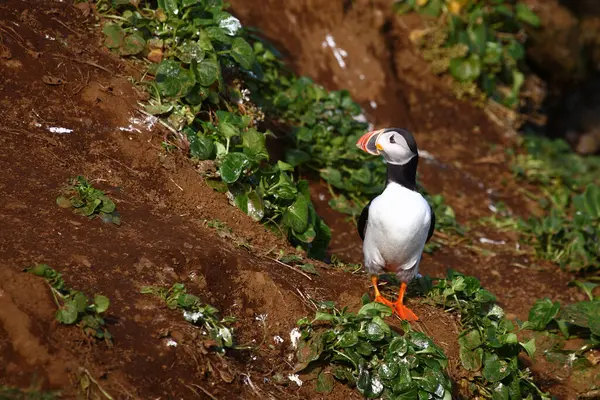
[{"x": 368, "y": 142}]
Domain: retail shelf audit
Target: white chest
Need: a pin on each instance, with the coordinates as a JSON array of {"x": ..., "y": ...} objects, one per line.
[{"x": 397, "y": 229}]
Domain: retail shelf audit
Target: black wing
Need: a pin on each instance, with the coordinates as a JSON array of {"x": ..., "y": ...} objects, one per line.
[
  {"x": 362, "y": 221},
  {"x": 431, "y": 225}
]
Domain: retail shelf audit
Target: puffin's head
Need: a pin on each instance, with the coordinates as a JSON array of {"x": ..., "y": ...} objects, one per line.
[{"x": 397, "y": 146}]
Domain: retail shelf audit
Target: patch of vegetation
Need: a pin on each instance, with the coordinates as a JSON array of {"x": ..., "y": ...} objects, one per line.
[
  {"x": 297, "y": 260},
  {"x": 89, "y": 201},
  {"x": 480, "y": 43},
  {"x": 74, "y": 307},
  {"x": 203, "y": 67},
  {"x": 225, "y": 231},
  {"x": 324, "y": 139},
  {"x": 197, "y": 313},
  {"x": 554, "y": 167},
  {"x": 489, "y": 347},
  {"x": 568, "y": 234},
  {"x": 362, "y": 351},
  {"x": 11, "y": 393},
  {"x": 577, "y": 320},
  {"x": 214, "y": 83}
]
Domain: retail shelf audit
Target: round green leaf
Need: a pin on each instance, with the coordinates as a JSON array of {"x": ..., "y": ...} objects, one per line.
[
  {"x": 39, "y": 269},
  {"x": 470, "y": 340},
  {"x": 114, "y": 36},
  {"x": 398, "y": 346},
  {"x": 365, "y": 348},
  {"x": 388, "y": 370},
  {"x": 324, "y": 383},
  {"x": 202, "y": 147},
  {"x": 466, "y": 69},
  {"x": 228, "y": 130},
  {"x": 348, "y": 339},
  {"x": 242, "y": 52},
  {"x": 67, "y": 314},
  {"x": 494, "y": 370},
  {"x": 232, "y": 166},
  {"x": 374, "y": 332},
  {"x": 188, "y": 51},
  {"x": 374, "y": 309},
  {"x": 133, "y": 44},
  {"x": 542, "y": 313},
  {"x": 403, "y": 381},
  {"x": 172, "y": 80},
  {"x": 254, "y": 145},
  {"x": 207, "y": 72},
  {"x": 471, "y": 359},
  {"x": 296, "y": 215},
  {"x": 108, "y": 205},
  {"x": 90, "y": 207},
  {"x": 500, "y": 392},
  {"x": 63, "y": 202},
  {"x": 80, "y": 301},
  {"x": 101, "y": 303}
]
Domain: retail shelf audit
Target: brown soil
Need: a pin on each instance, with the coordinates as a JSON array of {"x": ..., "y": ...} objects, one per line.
[{"x": 55, "y": 73}]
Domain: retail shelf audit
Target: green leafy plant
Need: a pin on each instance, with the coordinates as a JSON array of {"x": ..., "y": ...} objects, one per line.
[
  {"x": 489, "y": 347},
  {"x": 74, "y": 307},
  {"x": 215, "y": 81},
  {"x": 197, "y": 313},
  {"x": 478, "y": 42},
  {"x": 89, "y": 201},
  {"x": 297, "y": 260},
  {"x": 569, "y": 236},
  {"x": 570, "y": 193},
  {"x": 577, "y": 320},
  {"x": 324, "y": 139},
  {"x": 362, "y": 351},
  {"x": 553, "y": 166},
  {"x": 201, "y": 56}
]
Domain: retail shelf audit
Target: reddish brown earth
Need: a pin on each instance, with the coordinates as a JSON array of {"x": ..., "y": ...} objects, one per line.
[{"x": 55, "y": 73}]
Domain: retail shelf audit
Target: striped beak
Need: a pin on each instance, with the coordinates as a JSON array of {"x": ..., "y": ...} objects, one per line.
[{"x": 368, "y": 142}]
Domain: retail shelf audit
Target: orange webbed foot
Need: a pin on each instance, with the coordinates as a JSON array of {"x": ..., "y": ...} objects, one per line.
[
  {"x": 383, "y": 300},
  {"x": 404, "y": 312}
]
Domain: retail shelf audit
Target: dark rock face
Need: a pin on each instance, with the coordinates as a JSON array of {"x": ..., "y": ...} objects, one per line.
[{"x": 565, "y": 52}]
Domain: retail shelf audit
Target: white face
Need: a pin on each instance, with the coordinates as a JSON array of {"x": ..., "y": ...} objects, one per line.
[{"x": 393, "y": 148}]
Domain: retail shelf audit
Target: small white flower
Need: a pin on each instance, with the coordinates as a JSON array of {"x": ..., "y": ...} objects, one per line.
[
  {"x": 295, "y": 336},
  {"x": 230, "y": 25},
  {"x": 192, "y": 317},
  {"x": 296, "y": 379},
  {"x": 55, "y": 129}
]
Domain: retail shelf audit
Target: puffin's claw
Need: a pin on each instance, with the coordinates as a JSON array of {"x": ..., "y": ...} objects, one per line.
[
  {"x": 383, "y": 300},
  {"x": 398, "y": 307},
  {"x": 404, "y": 312}
]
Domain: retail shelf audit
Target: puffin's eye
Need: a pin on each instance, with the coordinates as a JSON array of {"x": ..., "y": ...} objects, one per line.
[{"x": 392, "y": 140}]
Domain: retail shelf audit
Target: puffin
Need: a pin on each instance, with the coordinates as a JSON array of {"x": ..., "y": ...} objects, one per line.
[{"x": 395, "y": 225}]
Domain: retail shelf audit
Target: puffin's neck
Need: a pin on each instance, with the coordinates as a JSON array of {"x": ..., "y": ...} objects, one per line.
[{"x": 405, "y": 175}]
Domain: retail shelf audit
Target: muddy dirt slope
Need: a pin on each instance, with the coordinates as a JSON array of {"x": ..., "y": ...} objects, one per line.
[{"x": 69, "y": 108}]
